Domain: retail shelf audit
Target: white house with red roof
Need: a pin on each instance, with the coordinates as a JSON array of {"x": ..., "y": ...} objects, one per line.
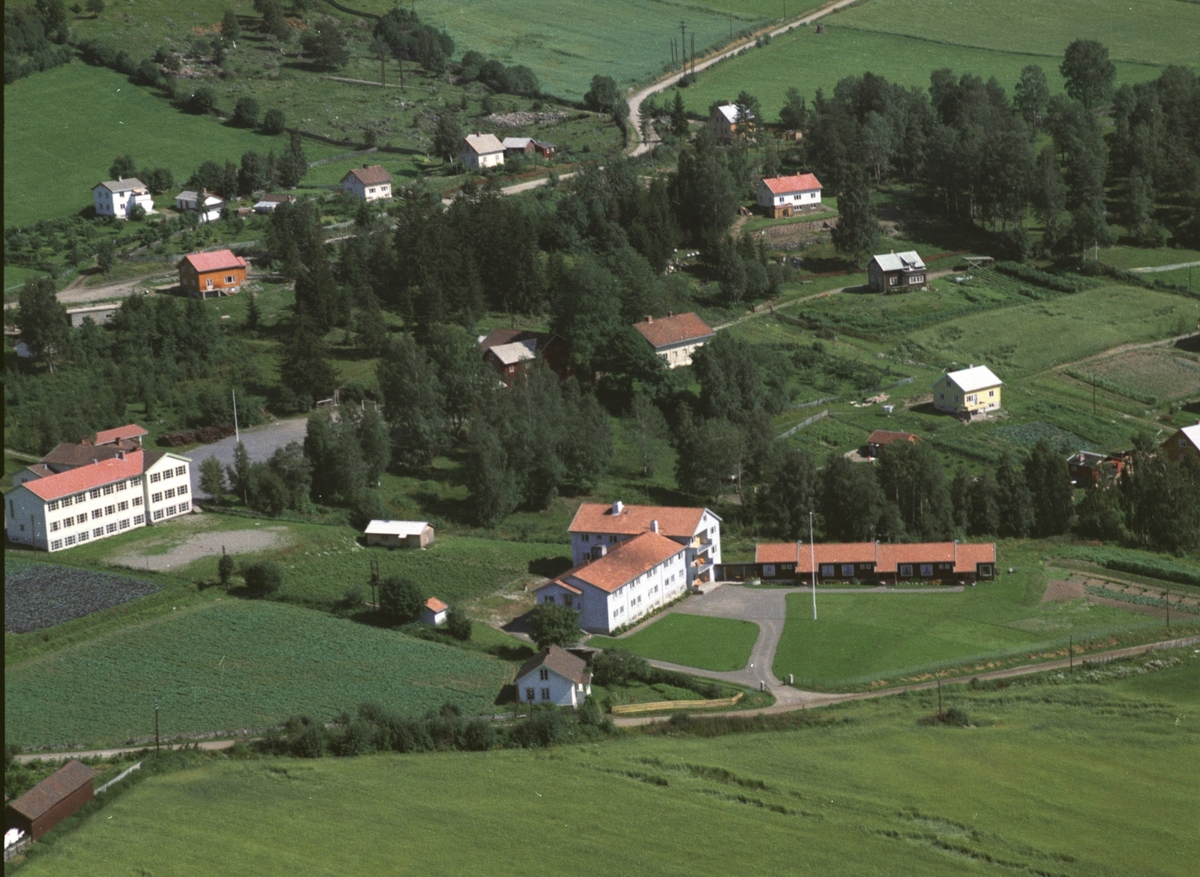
[
  {"x": 782, "y": 196},
  {"x": 67, "y": 500},
  {"x": 119, "y": 197},
  {"x": 211, "y": 274},
  {"x": 369, "y": 182},
  {"x": 619, "y": 583},
  {"x": 676, "y": 337},
  {"x": 599, "y": 527},
  {"x": 554, "y": 676}
]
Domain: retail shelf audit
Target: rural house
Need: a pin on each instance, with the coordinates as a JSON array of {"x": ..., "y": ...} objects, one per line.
[
  {"x": 1089, "y": 469},
  {"x": 675, "y": 337},
  {"x": 98, "y": 314},
  {"x": 119, "y": 197},
  {"x": 208, "y": 206},
  {"x": 527, "y": 146},
  {"x": 268, "y": 202},
  {"x": 881, "y": 438},
  {"x": 434, "y": 612},
  {"x": 881, "y": 563},
  {"x": 1185, "y": 443},
  {"x": 896, "y": 272},
  {"x": 968, "y": 392},
  {"x": 93, "y": 490},
  {"x": 481, "y": 151},
  {"x": 510, "y": 360},
  {"x": 400, "y": 534},
  {"x": 369, "y": 182},
  {"x": 555, "y": 676},
  {"x": 550, "y": 348},
  {"x": 211, "y": 274},
  {"x": 725, "y": 123},
  {"x": 51, "y": 801},
  {"x": 597, "y": 526},
  {"x": 623, "y": 581},
  {"x": 782, "y": 196}
]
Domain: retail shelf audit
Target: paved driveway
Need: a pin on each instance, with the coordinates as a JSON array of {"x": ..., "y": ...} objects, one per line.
[{"x": 260, "y": 442}]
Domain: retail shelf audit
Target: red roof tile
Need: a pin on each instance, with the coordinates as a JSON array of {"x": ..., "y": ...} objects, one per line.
[
  {"x": 883, "y": 437},
  {"x": 775, "y": 552},
  {"x": 598, "y": 517},
  {"x": 625, "y": 561},
  {"x": 60, "y": 784},
  {"x": 674, "y": 329},
  {"x": 86, "y": 477},
  {"x": 434, "y": 604},
  {"x": 214, "y": 261},
  {"x": 787, "y": 185},
  {"x": 836, "y": 553},
  {"x": 970, "y": 554},
  {"x": 128, "y": 431},
  {"x": 370, "y": 176}
]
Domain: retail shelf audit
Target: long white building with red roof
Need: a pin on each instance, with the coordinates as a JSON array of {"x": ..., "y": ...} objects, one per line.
[
  {"x": 698, "y": 530},
  {"x": 95, "y": 489}
]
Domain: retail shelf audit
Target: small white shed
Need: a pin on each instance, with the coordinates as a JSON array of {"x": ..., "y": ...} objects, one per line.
[
  {"x": 434, "y": 612},
  {"x": 399, "y": 534}
]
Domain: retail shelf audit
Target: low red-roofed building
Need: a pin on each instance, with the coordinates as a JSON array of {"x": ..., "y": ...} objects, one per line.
[
  {"x": 210, "y": 274},
  {"x": 783, "y": 196},
  {"x": 434, "y": 612},
  {"x": 882, "y": 563},
  {"x": 676, "y": 337},
  {"x": 625, "y": 581},
  {"x": 881, "y": 438},
  {"x": 51, "y": 801}
]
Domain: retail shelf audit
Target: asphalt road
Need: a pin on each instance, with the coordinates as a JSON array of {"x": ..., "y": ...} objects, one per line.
[{"x": 260, "y": 442}]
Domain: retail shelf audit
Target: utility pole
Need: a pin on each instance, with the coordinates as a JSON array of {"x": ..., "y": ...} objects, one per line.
[
  {"x": 693, "y": 56},
  {"x": 156, "y": 726},
  {"x": 237, "y": 432},
  {"x": 939, "y": 681},
  {"x": 1071, "y": 652},
  {"x": 813, "y": 561},
  {"x": 683, "y": 45},
  {"x": 1167, "y": 600}
]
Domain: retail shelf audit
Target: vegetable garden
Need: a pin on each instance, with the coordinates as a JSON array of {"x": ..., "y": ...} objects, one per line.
[{"x": 39, "y": 595}]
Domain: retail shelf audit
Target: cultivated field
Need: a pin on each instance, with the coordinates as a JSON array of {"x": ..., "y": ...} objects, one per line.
[
  {"x": 1031, "y": 786},
  {"x": 1160, "y": 372},
  {"x": 233, "y": 664},
  {"x": 38, "y": 595},
  {"x": 690, "y": 640},
  {"x": 861, "y": 636}
]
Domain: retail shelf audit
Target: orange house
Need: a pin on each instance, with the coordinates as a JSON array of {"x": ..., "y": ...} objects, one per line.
[{"x": 212, "y": 274}]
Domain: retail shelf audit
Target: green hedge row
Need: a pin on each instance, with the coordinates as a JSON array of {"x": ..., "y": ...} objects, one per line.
[{"x": 1060, "y": 282}]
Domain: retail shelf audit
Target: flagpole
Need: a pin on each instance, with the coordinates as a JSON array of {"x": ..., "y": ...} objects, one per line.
[{"x": 813, "y": 549}]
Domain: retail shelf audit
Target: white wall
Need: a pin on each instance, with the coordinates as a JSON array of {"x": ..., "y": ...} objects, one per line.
[
  {"x": 72, "y": 520},
  {"x": 553, "y": 688},
  {"x": 169, "y": 494}
]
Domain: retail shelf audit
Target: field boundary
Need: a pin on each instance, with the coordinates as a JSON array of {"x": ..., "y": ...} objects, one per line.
[{"x": 626, "y": 708}]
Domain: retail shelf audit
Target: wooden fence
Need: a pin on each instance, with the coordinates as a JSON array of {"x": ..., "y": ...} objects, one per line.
[
  {"x": 804, "y": 423},
  {"x": 626, "y": 709}
]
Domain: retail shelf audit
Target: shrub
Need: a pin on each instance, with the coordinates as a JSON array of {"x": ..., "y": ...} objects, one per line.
[
  {"x": 264, "y": 576},
  {"x": 544, "y": 728},
  {"x": 553, "y": 624},
  {"x": 617, "y": 667},
  {"x": 273, "y": 122},
  {"x": 201, "y": 101},
  {"x": 225, "y": 569},
  {"x": 400, "y": 600},
  {"x": 479, "y": 736},
  {"x": 245, "y": 112},
  {"x": 458, "y": 625},
  {"x": 366, "y": 506}
]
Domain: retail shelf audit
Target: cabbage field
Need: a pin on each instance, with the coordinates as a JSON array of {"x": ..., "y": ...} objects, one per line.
[
  {"x": 230, "y": 665},
  {"x": 38, "y": 595}
]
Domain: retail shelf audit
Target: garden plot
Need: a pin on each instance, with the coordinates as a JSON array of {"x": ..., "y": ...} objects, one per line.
[
  {"x": 1156, "y": 372},
  {"x": 37, "y": 596}
]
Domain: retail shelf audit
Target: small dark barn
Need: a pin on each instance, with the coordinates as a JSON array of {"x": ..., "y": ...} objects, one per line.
[{"x": 51, "y": 801}]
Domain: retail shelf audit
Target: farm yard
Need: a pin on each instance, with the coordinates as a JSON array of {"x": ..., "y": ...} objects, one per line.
[
  {"x": 232, "y": 664},
  {"x": 40, "y": 595},
  {"x": 868, "y": 777},
  {"x": 690, "y": 640}
]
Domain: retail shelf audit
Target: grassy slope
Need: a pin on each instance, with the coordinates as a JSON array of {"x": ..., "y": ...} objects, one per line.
[
  {"x": 860, "y": 635},
  {"x": 101, "y": 115},
  {"x": 691, "y": 640},
  {"x": 808, "y": 61},
  {"x": 1034, "y": 788},
  {"x": 232, "y": 664}
]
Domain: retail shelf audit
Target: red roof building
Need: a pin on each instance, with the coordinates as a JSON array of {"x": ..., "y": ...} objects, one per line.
[
  {"x": 881, "y": 563},
  {"x": 51, "y": 801},
  {"x": 881, "y": 438},
  {"x": 676, "y": 337},
  {"x": 212, "y": 274},
  {"x": 783, "y": 196}
]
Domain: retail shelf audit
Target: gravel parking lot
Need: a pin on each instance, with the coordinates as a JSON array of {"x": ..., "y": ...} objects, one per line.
[{"x": 260, "y": 442}]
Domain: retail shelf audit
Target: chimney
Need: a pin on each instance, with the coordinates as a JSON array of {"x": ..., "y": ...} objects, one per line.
[
  {"x": 654, "y": 526},
  {"x": 649, "y": 319},
  {"x": 95, "y": 461},
  {"x": 618, "y": 507},
  {"x": 120, "y": 455}
]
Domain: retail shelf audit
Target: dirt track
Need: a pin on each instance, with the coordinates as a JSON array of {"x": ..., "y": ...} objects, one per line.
[{"x": 204, "y": 545}]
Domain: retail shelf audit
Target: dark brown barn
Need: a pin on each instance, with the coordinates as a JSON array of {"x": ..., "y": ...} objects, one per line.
[{"x": 51, "y": 801}]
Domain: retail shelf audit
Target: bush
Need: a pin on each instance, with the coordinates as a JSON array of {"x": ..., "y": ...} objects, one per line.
[
  {"x": 479, "y": 736},
  {"x": 458, "y": 625},
  {"x": 544, "y": 728},
  {"x": 273, "y": 122},
  {"x": 264, "y": 576},
  {"x": 617, "y": 667},
  {"x": 225, "y": 569},
  {"x": 202, "y": 101},
  {"x": 553, "y": 624},
  {"x": 245, "y": 112},
  {"x": 366, "y": 506},
  {"x": 400, "y": 600}
]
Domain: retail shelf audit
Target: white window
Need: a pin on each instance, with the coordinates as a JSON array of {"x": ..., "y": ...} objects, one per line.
[
  {"x": 906, "y": 569},
  {"x": 56, "y": 544},
  {"x": 183, "y": 507},
  {"x": 545, "y": 694},
  {"x": 170, "y": 510},
  {"x": 155, "y": 477},
  {"x": 83, "y": 537},
  {"x": 156, "y": 497},
  {"x": 66, "y": 501},
  {"x": 544, "y": 674},
  {"x": 94, "y": 493},
  {"x": 98, "y": 532},
  {"x": 136, "y": 481},
  {"x": 110, "y": 510},
  {"x": 169, "y": 493},
  {"x": 121, "y": 485},
  {"x": 179, "y": 470},
  {"x": 80, "y": 497},
  {"x": 138, "y": 520},
  {"x": 125, "y": 524},
  {"x": 123, "y": 505},
  {"x": 137, "y": 500},
  {"x": 95, "y": 514},
  {"x": 53, "y": 507},
  {"x": 229, "y": 278},
  {"x": 111, "y": 528},
  {"x": 927, "y": 569},
  {"x": 54, "y": 526},
  {"x": 70, "y": 540},
  {"x": 108, "y": 489},
  {"x": 158, "y": 514}
]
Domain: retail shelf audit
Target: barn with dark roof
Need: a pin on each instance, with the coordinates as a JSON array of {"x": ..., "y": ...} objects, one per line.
[{"x": 51, "y": 801}]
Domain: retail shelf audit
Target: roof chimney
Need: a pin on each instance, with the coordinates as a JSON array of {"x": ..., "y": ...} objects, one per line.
[
  {"x": 95, "y": 461},
  {"x": 120, "y": 455},
  {"x": 649, "y": 318},
  {"x": 654, "y": 526},
  {"x": 618, "y": 507}
]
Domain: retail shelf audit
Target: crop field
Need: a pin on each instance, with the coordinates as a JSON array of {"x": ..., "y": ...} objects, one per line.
[
  {"x": 233, "y": 664},
  {"x": 97, "y": 116},
  {"x": 1159, "y": 372},
  {"x": 39, "y": 595},
  {"x": 1031, "y": 786},
  {"x": 1140, "y": 257},
  {"x": 690, "y": 640},
  {"x": 805, "y": 60},
  {"x": 858, "y": 636}
]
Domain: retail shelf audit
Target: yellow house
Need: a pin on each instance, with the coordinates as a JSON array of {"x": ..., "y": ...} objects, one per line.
[{"x": 970, "y": 391}]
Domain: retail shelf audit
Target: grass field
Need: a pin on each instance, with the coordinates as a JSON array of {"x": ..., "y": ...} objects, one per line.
[
  {"x": 1032, "y": 787},
  {"x": 860, "y": 635},
  {"x": 807, "y": 61},
  {"x": 233, "y": 664},
  {"x": 99, "y": 115},
  {"x": 1158, "y": 372},
  {"x": 690, "y": 640}
]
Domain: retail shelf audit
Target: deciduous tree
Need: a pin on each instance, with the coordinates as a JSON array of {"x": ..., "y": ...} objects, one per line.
[
  {"x": 1088, "y": 72},
  {"x": 400, "y": 600},
  {"x": 552, "y": 624}
]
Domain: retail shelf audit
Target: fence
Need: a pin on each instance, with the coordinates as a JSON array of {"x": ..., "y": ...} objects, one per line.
[
  {"x": 126, "y": 772},
  {"x": 628, "y": 708},
  {"x": 803, "y": 423}
]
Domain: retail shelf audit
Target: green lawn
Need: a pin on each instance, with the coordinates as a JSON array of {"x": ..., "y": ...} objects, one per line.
[
  {"x": 858, "y": 636},
  {"x": 97, "y": 116},
  {"x": 234, "y": 664},
  {"x": 690, "y": 640},
  {"x": 1077, "y": 780},
  {"x": 807, "y": 61}
]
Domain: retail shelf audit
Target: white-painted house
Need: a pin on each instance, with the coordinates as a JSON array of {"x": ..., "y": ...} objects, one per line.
[
  {"x": 208, "y": 206},
  {"x": 782, "y": 196},
  {"x": 369, "y": 182},
  {"x": 698, "y": 530},
  {"x": 626, "y": 581},
  {"x": 118, "y": 197},
  {"x": 121, "y": 489},
  {"x": 481, "y": 151},
  {"x": 555, "y": 676}
]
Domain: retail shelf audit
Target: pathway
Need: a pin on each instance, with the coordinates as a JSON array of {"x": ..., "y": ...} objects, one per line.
[
  {"x": 635, "y": 100},
  {"x": 1154, "y": 269}
]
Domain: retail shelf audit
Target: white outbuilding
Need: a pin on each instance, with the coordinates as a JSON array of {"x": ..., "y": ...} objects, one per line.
[{"x": 399, "y": 534}]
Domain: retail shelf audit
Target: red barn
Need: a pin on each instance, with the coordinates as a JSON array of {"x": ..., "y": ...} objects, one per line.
[
  {"x": 212, "y": 274},
  {"x": 881, "y": 438},
  {"x": 51, "y": 801}
]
